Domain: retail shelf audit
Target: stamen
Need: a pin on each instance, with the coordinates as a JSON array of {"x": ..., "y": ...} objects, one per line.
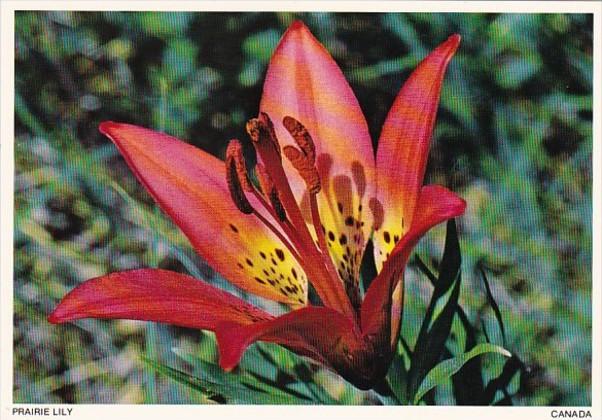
[
  {"x": 315, "y": 216},
  {"x": 265, "y": 182},
  {"x": 261, "y": 131},
  {"x": 301, "y": 137},
  {"x": 270, "y": 192},
  {"x": 262, "y": 128},
  {"x": 305, "y": 167},
  {"x": 234, "y": 152},
  {"x": 236, "y": 181}
]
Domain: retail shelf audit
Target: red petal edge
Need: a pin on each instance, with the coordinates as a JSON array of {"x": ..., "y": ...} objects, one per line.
[
  {"x": 155, "y": 295},
  {"x": 435, "y": 204}
]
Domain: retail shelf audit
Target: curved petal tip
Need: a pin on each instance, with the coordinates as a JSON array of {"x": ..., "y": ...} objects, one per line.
[
  {"x": 106, "y": 126},
  {"x": 451, "y": 44}
]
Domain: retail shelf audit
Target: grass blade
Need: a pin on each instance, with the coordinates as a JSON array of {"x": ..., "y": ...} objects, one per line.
[{"x": 446, "y": 369}]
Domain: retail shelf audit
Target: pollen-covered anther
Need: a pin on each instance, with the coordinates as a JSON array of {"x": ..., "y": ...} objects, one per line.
[
  {"x": 234, "y": 152},
  {"x": 261, "y": 130},
  {"x": 301, "y": 137},
  {"x": 269, "y": 191},
  {"x": 307, "y": 170},
  {"x": 235, "y": 181}
]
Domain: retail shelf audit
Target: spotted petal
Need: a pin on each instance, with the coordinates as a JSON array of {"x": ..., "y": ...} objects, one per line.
[
  {"x": 190, "y": 186},
  {"x": 156, "y": 295},
  {"x": 403, "y": 148},
  {"x": 435, "y": 205},
  {"x": 304, "y": 82}
]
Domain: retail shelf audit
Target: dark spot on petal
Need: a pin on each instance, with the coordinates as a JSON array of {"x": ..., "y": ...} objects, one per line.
[
  {"x": 343, "y": 239},
  {"x": 234, "y": 228},
  {"x": 349, "y": 221},
  {"x": 258, "y": 280},
  {"x": 331, "y": 235},
  {"x": 249, "y": 263},
  {"x": 340, "y": 207},
  {"x": 377, "y": 211},
  {"x": 387, "y": 237},
  {"x": 280, "y": 254},
  {"x": 263, "y": 255},
  {"x": 396, "y": 238},
  {"x": 359, "y": 177},
  {"x": 240, "y": 265},
  {"x": 294, "y": 273}
]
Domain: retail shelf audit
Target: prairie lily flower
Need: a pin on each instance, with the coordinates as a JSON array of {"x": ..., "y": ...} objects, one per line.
[{"x": 320, "y": 195}]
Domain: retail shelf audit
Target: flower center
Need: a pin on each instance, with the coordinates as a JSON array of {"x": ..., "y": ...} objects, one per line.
[{"x": 276, "y": 196}]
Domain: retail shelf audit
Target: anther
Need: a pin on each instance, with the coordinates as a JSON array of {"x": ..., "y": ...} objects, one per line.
[
  {"x": 261, "y": 129},
  {"x": 306, "y": 169},
  {"x": 234, "y": 152},
  {"x": 234, "y": 185},
  {"x": 301, "y": 137}
]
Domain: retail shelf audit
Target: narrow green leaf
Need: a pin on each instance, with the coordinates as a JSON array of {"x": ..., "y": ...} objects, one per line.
[
  {"x": 398, "y": 375},
  {"x": 512, "y": 366},
  {"x": 250, "y": 383},
  {"x": 494, "y": 305},
  {"x": 446, "y": 369},
  {"x": 207, "y": 388},
  {"x": 436, "y": 325},
  {"x": 468, "y": 385}
]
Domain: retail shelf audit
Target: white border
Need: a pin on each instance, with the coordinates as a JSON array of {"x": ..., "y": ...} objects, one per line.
[{"x": 278, "y": 412}]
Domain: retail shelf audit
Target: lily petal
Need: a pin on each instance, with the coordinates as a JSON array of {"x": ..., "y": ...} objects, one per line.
[
  {"x": 435, "y": 204},
  {"x": 403, "y": 147},
  {"x": 156, "y": 295},
  {"x": 190, "y": 186},
  {"x": 304, "y": 82},
  {"x": 317, "y": 332}
]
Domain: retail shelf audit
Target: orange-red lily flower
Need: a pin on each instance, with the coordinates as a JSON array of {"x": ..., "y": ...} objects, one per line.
[{"x": 321, "y": 194}]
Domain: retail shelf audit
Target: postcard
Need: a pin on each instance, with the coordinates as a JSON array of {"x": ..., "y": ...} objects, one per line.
[{"x": 332, "y": 209}]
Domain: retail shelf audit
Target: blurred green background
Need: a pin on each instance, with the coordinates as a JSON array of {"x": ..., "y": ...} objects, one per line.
[{"x": 513, "y": 137}]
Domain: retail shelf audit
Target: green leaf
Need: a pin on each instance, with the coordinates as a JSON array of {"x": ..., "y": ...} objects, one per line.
[
  {"x": 494, "y": 305},
  {"x": 245, "y": 385},
  {"x": 446, "y": 369},
  {"x": 398, "y": 373},
  {"x": 512, "y": 367},
  {"x": 210, "y": 390},
  {"x": 440, "y": 313},
  {"x": 233, "y": 388}
]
